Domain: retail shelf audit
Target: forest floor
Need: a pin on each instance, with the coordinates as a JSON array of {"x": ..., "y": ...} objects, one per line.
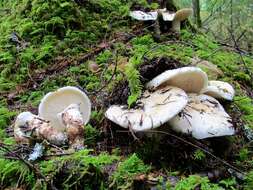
[{"x": 45, "y": 45}]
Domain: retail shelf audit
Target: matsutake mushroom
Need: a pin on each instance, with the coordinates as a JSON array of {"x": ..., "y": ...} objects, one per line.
[
  {"x": 220, "y": 90},
  {"x": 30, "y": 127},
  {"x": 55, "y": 102},
  {"x": 154, "y": 109},
  {"x": 203, "y": 117},
  {"x": 190, "y": 79}
]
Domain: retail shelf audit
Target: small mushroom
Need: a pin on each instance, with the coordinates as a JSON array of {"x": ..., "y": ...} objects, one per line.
[
  {"x": 220, "y": 90},
  {"x": 73, "y": 120},
  {"x": 203, "y": 117},
  {"x": 142, "y": 16},
  {"x": 31, "y": 127},
  {"x": 190, "y": 79},
  {"x": 180, "y": 16},
  {"x": 154, "y": 109},
  {"x": 93, "y": 67},
  {"x": 55, "y": 102}
]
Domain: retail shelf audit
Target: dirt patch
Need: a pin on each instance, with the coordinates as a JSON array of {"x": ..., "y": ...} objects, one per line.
[
  {"x": 148, "y": 70},
  {"x": 151, "y": 68}
]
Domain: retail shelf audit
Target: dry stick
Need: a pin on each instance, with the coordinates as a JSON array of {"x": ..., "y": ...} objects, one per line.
[{"x": 196, "y": 146}]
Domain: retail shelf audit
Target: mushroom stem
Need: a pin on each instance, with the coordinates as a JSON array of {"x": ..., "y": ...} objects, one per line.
[
  {"x": 72, "y": 118},
  {"x": 176, "y": 25}
]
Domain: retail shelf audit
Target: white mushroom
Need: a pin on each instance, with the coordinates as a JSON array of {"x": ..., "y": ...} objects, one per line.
[
  {"x": 155, "y": 108},
  {"x": 190, "y": 79},
  {"x": 142, "y": 16},
  {"x": 220, "y": 90},
  {"x": 29, "y": 126},
  {"x": 203, "y": 117},
  {"x": 73, "y": 120},
  {"x": 181, "y": 15},
  {"x": 55, "y": 102}
]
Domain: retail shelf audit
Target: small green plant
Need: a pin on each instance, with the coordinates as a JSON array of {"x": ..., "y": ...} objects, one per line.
[{"x": 5, "y": 117}]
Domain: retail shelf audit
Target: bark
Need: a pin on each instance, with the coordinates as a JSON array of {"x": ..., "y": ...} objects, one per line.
[{"x": 196, "y": 13}]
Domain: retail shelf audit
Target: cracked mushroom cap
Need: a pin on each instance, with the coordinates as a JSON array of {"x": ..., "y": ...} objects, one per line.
[
  {"x": 142, "y": 16},
  {"x": 203, "y": 117},
  {"x": 22, "y": 123},
  {"x": 155, "y": 108},
  {"x": 220, "y": 90},
  {"x": 190, "y": 79},
  {"x": 55, "y": 102}
]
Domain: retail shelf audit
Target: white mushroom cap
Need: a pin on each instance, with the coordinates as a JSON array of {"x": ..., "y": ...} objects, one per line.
[
  {"x": 155, "y": 109},
  {"x": 55, "y": 102},
  {"x": 203, "y": 117},
  {"x": 220, "y": 90},
  {"x": 167, "y": 15},
  {"x": 190, "y": 79},
  {"x": 22, "y": 121},
  {"x": 142, "y": 16}
]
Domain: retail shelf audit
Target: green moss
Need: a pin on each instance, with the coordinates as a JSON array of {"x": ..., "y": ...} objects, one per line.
[
  {"x": 249, "y": 181},
  {"x": 123, "y": 177},
  {"x": 81, "y": 169},
  {"x": 13, "y": 172},
  {"x": 246, "y": 106},
  {"x": 91, "y": 135},
  {"x": 5, "y": 117},
  {"x": 194, "y": 181}
]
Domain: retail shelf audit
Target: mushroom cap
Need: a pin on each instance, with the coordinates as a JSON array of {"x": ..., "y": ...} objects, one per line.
[
  {"x": 23, "y": 118},
  {"x": 183, "y": 14},
  {"x": 22, "y": 121},
  {"x": 155, "y": 109},
  {"x": 190, "y": 79},
  {"x": 167, "y": 15},
  {"x": 220, "y": 90},
  {"x": 55, "y": 102},
  {"x": 142, "y": 16},
  {"x": 203, "y": 117}
]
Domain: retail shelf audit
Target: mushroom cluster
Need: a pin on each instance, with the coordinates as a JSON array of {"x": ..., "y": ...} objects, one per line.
[
  {"x": 60, "y": 121},
  {"x": 175, "y": 17},
  {"x": 183, "y": 98}
]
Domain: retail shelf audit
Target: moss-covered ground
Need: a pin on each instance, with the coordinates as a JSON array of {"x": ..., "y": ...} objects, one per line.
[{"x": 49, "y": 44}]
